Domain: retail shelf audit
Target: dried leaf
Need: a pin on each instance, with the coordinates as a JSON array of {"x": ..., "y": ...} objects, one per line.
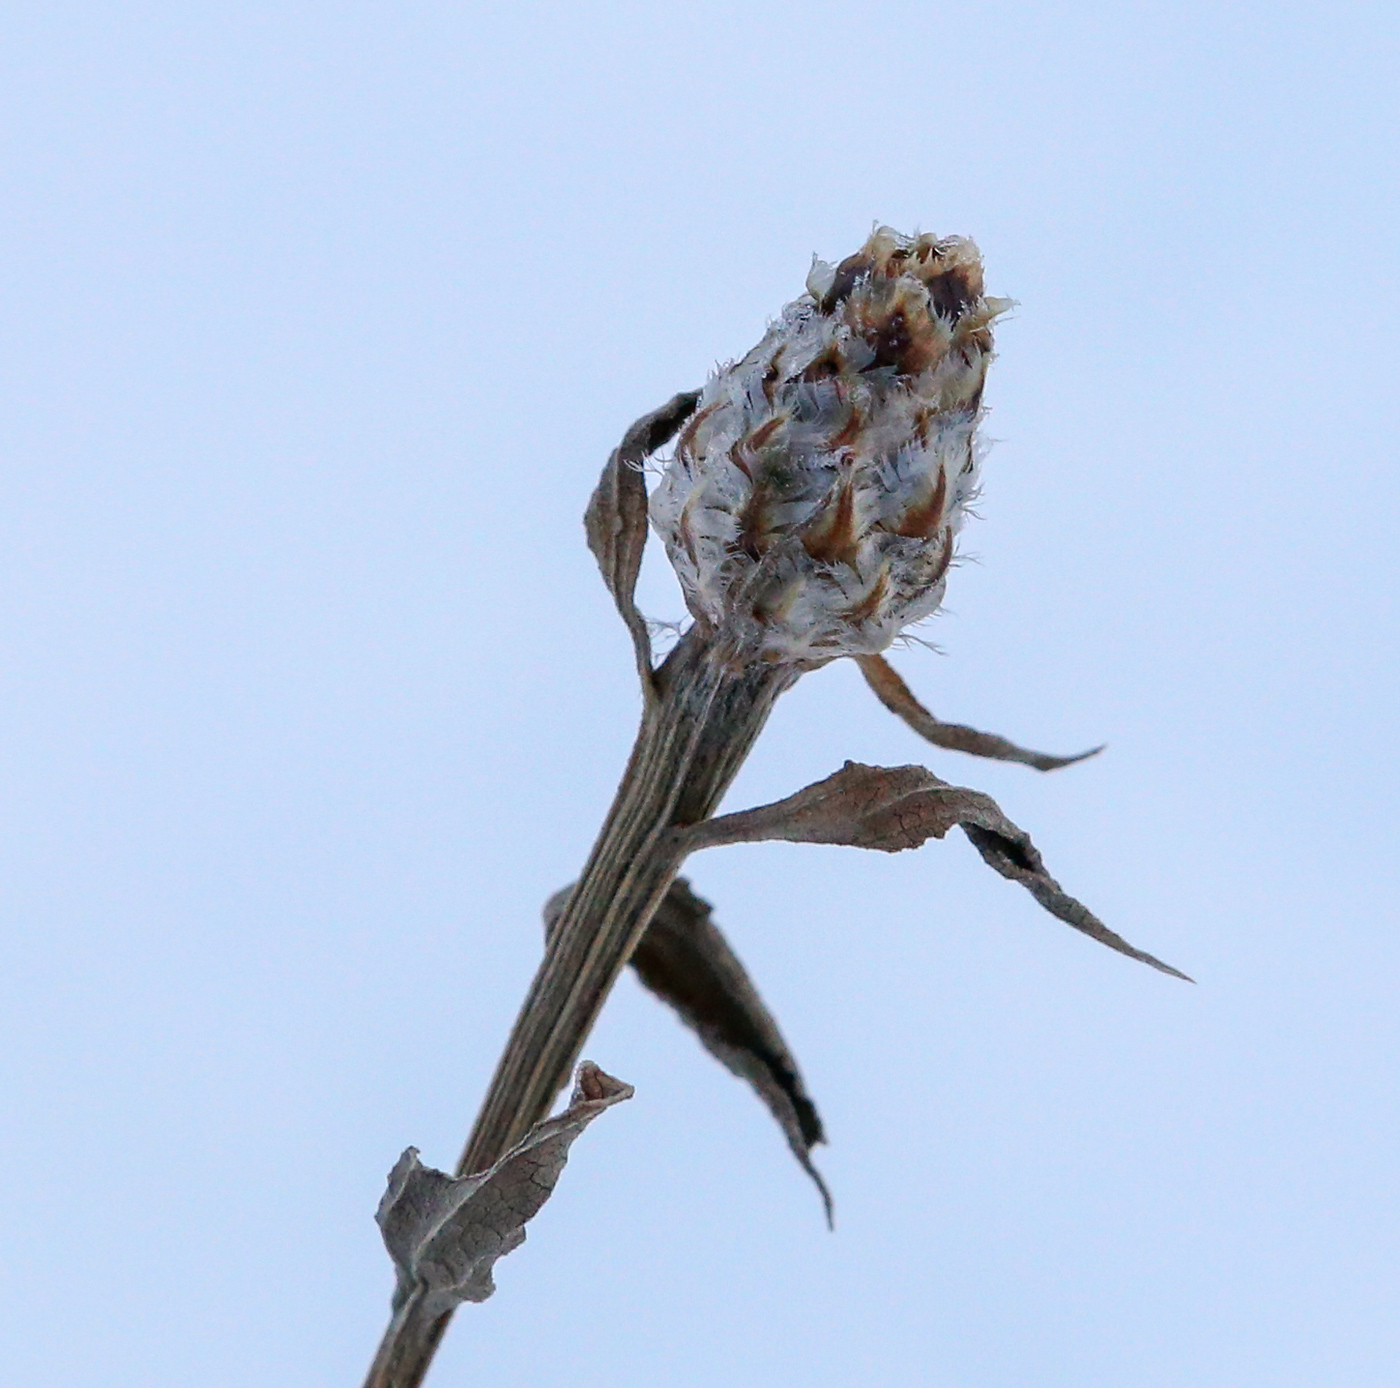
[
  {"x": 444, "y": 1233},
  {"x": 616, "y": 519},
  {"x": 897, "y": 807},
  {"x": 685, "y": 960},
  {"x": 896, "y": 696}
]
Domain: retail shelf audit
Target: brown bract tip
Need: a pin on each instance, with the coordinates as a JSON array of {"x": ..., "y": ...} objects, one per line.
[{"x": 832, "y": 537}]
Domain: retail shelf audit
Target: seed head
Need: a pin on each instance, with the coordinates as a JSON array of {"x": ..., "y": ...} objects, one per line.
[{"x": 812, "y": 502}]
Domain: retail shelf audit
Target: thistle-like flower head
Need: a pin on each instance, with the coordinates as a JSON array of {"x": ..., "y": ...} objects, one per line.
[{"x": 812, "y": 503}]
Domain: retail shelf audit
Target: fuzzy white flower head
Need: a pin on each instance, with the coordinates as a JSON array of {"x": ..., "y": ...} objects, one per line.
[{"x": 812, "y": 502}]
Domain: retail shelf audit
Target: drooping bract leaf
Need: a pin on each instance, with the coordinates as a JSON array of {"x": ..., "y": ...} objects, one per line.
[
  {"x": 616, "y": 519},
  {"x": 444, "y": 1232},
  {"x": 896, "y": 696},
  {"x": 896, "y": 807},
  {"x": 685, "y": 960}
]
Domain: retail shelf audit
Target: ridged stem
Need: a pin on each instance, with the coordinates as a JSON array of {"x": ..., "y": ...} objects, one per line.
[{"x": 694, "y": 738}]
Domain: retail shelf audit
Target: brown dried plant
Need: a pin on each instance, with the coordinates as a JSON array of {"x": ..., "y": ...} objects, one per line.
[{"x": 810, "y": 511}]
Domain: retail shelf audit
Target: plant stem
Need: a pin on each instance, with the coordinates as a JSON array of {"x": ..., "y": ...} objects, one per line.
[{"x": 693, "y": 739}]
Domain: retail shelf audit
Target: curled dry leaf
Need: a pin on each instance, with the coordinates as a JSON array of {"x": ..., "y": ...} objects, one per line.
[
  {"x": 896, "y": 807},
  {"x": 684, "y": 959},
  {"x": 896, "y": 696},
  {"x": 444, "y": 1233},
  {"x": 616, "y": 519}
]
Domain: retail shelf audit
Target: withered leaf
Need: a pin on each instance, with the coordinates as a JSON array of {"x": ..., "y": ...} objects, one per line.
[
  {"x": 685, "y": 960},
  {"x": 896, "y": 696},
  {"x": 616, "y": 519},
  {"x": 444, "y": 1232},
  {"x": 897, "y": 807}
]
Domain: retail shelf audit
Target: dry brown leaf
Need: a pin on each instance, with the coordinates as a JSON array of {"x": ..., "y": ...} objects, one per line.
[
  {"x": 444, "y": 1232},
  {"x": 616, "y": 519},
  {"x": 896, "y": 696},
  {"x": 685, "y": 960},
  {"x": 896, "y": 807}
]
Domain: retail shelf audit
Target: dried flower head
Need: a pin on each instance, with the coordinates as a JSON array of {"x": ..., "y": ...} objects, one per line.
[{"x": 812, "y": 503}]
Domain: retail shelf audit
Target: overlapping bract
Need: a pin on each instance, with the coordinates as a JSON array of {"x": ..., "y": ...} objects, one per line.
[{"x": 812, "y": 503}]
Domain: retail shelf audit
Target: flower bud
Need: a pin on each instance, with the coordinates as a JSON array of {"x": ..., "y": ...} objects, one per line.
[{"x": 812, "y": 502}]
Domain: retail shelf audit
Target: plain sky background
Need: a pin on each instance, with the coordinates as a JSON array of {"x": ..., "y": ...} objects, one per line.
[{"x": 319, "y": 321}]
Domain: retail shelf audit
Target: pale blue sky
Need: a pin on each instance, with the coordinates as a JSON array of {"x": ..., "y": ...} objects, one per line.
[{"x": 318, "y": 322}]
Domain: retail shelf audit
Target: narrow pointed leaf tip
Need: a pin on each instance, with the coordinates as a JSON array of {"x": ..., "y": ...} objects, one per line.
[
  {"x": 616, "y": 519},
  {"x": 445, "y": 1233},
  {"x": 897, "y": 807},
  {"x": 685, "y": 960},
  {"x": 896, "y": 696}
]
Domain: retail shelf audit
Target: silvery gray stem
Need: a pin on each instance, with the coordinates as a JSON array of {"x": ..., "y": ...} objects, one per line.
[
  {"x": 688, "y": 750},
  {"x": 693, "y": 739}
]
